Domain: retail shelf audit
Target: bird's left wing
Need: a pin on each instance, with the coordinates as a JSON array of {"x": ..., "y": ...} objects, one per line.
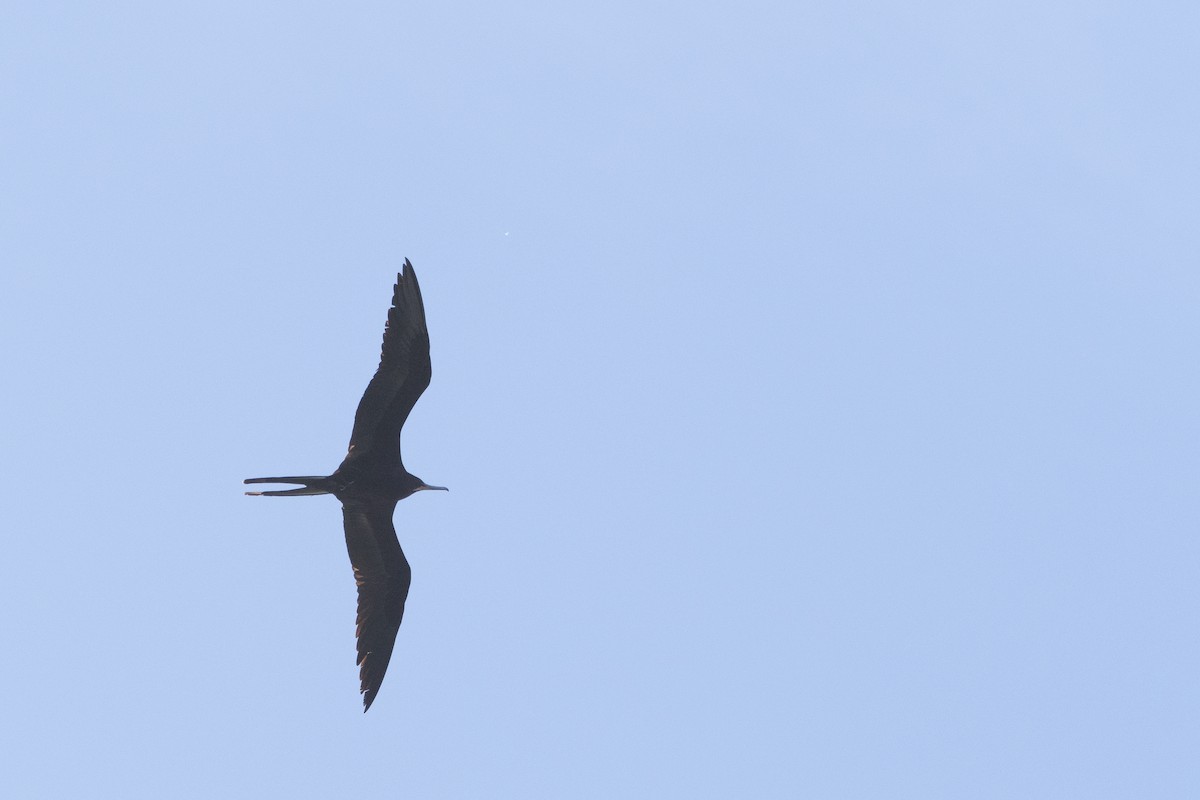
[{"x": 383, "y": 577}]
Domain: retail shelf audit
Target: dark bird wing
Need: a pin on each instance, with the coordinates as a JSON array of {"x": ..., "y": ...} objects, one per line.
[
  {"x": 383, "y": 577},
  {"x": 403, "y": 374}
]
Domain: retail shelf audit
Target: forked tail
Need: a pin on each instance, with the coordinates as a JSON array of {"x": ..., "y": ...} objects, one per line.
[{"x": 310, "y": 484}]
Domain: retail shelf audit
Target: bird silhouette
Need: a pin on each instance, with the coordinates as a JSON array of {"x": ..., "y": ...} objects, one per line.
[{"x": 371, "y": 479}]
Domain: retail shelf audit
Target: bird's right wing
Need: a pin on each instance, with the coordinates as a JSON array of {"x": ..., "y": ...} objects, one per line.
[
  {"x": 404, "y": 371},
  {"x": 383, "y": 577}
]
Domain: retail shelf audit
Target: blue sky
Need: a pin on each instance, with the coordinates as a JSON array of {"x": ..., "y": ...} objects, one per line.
[{"x": 816, "y": 386}]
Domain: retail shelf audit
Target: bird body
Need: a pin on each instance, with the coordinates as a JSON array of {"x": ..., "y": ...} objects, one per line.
[{"x": 372, "y": 479}]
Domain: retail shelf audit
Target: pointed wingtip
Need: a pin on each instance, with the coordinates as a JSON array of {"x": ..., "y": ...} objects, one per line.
[{"x": 405, "y": 272}]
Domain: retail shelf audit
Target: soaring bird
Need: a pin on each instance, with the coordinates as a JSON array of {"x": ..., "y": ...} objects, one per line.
[{"x": 371, "y": 479}]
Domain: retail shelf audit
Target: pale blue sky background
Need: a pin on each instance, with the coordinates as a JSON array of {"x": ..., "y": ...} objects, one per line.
[{"x": 816, "y": 384}]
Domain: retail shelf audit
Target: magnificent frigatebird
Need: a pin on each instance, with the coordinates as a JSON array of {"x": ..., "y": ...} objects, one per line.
[{"x": 372, "y": 479}]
